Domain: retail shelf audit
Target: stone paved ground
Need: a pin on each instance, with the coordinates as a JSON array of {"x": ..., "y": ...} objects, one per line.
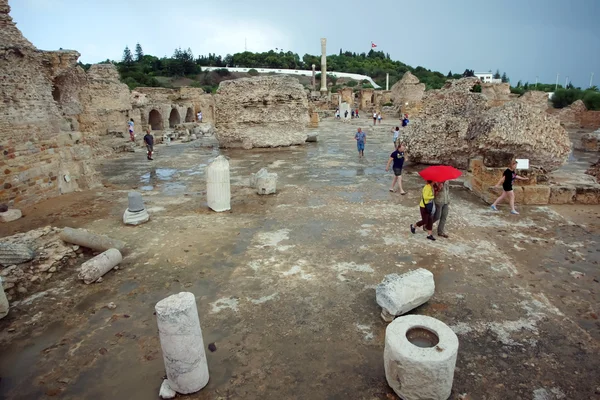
[{"x": 285, "y": 283}]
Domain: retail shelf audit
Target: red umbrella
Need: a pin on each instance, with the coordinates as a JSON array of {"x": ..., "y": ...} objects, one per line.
[{"x": 440, "y": 173}]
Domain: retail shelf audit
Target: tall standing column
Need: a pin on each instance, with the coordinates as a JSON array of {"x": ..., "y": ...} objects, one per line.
[
  {"x": 387, "y": 81},
  {"x": 323, "y": 66},
  {"x": 314, "y": 80}
]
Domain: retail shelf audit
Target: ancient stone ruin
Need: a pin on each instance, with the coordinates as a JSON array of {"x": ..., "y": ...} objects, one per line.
[
  {"x": 408, "y": 90},
  {"x": 267, "y": 111}
]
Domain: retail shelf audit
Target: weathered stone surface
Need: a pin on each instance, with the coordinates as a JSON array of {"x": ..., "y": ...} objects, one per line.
[
  {"x": 182, "y": 343},
  {"x": 4, "y": 306},
  {"x": 398, "y": 294},
  {"x": 96, "y": 267},
  {"x": 13, "y": 253},
  {"x": 416, "y": 373},
  {"x": 570, "y": 116},
  {"x": 312, "y": 137},
  {"x": 135, "y": 218},
  {"x": 587, "y": 194},
  {"x": 407, "y": 90},
  {"x": 267, "y": 111},
  {"x": 536, "y": 194},
  {"x": 496, "y": 93},
  {"x": 264, "y": 182},
  {"x": 535, "y": 99},
  {"x": 562, "y": 194},
  {"x": 165, "y": 391},
  {"x": 591, "y": 141},
  {"x": 12, "y": 214},
  {"x": 135, "y": 202},
  {"x": 463, "y": 122}
]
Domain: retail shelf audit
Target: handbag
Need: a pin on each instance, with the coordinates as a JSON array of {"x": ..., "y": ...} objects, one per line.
[{"x": 430, "y": 207}]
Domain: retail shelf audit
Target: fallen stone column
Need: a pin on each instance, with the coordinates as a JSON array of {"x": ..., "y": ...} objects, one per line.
[
  {"x": 398, "y": 294},
  {"x": 218, "y": 189},
  {"x": 91, "y": 240},
  {"x": 13, "y": 253},
  {"x": 10, "y": 215},
  {"x": 419, "y": 357},
  {"x": 182, "y": 344},
  {"x": 4, "y": 307},
  {"x": 94, "y": 268}
]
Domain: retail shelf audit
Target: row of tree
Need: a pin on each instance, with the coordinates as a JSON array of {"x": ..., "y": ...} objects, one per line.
[{"x": 139, "y": 69}]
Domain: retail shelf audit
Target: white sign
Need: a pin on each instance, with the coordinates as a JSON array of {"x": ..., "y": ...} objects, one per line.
[{"x": 522, "y": 163}]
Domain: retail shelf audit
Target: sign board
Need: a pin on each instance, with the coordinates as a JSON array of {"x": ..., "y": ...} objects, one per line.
[{"x": 522, "y": 163}]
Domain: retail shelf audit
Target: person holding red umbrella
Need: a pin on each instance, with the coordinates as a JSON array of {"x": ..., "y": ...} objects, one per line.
[{"x": 427, "y": 208}]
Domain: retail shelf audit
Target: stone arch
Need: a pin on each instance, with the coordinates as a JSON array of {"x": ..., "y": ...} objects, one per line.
[
  {"x": 155, "y": 120},
  {"x": 174, "y": 118},
  {"x": 189, "y": 116}
]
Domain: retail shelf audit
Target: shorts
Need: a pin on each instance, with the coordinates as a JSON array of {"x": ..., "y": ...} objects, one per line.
[
  {"x": 397, "y": 171},
  {"x": 360, "y": 146},
  {"x": 507, "y": 188},
  {"x": 150, "y": 148}
]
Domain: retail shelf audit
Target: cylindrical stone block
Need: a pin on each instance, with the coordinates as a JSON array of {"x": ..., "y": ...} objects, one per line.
[
  {"x": 218, "y": 189},
  {"x": 3, "y": 302},
  {"x": 420, "y": 357},
  {"x": 136, "y": 203},
  {"x": 181, "y": 342},
  {"x": 91, "y": 240},
  {"x": 94, "y": 268}
]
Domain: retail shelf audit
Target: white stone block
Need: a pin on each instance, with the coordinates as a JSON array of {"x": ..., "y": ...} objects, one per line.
[
  {"x": 312, "y": 137},
  {"x": 419, "y": 363},
  {"x": 181, "y": 342},
  {"x": 4, "y": 307},
  {"x": 398, "y": 294},
  {"x": 264, "y": 182},
  {"x": 9, "y": 215},
  {"x": 135, "y": 218},
  {"x": 218, "y": 186},
  {"x": 96, "y": 267},
  {"x": 166, "y": 392}
]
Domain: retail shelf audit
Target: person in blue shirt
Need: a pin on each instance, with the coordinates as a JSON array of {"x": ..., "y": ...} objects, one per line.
[
  {"x": 397, "y": 157},
  {"x": 361, "y": 139},
  {"x": 405, "y": 121}
]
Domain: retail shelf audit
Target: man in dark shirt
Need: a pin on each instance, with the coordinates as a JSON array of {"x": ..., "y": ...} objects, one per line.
[
  {"x": 405, "y": 121},
  {"x": 149, "y": 140},
  {"x": 397, "y": 157}
]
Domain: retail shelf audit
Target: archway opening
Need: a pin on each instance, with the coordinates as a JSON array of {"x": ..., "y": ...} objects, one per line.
[
  {"x": 174, "y": 118},
  {"x": 189, "y": 116},
  {"x": 155, "y": 120},
  {"x": 56, "y": 93}
]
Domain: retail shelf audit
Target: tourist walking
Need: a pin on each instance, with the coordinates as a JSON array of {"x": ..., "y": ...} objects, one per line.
[
  {"x": 397, "y": 158},
  {"x": 374, "y": 118},
  {"x": 442, "y": 206},
  {"x": 361, "y": 139},
  {"x": 405, "y": 121},
  {"x": 427, "y": 208},
  {"x": 356, "y": 113},
  {"x": 149, "y": 140},
  {"x": 379, "y": 118},
  {"x": 130, "y": 129},
  {"x": 337, "y": 113},
  {"x": 346, "y": 114},
  {"x": 352, "y": 114},
  {"x": 199, "y": 116},
  {"x": 396, "y": 133},
  {"x": 508, "y": 177}
]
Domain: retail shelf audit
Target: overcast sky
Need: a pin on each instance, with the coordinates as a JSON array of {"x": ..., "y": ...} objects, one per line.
[{"x": 525, "y": 38}]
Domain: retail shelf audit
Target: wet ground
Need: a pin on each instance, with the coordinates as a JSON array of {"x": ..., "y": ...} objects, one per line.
[{"x": 285, "y": 283}]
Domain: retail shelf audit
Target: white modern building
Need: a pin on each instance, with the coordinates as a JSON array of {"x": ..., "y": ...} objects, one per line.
[{"x": 487, "y": 77}]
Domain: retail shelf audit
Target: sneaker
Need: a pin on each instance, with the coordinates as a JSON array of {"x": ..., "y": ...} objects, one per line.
[
  {"x": 515, "y": 212},
  {"x": 494, "y": 208},
  {"x": 443, "y": 235},
  {"x": 412, "y": 228},
  {"x": 430, "y": 237}
]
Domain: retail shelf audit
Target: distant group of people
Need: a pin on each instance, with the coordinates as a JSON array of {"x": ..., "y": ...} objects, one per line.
[
  {"x": 353, "y": 114},
  {"x": 434, "y": 204}
]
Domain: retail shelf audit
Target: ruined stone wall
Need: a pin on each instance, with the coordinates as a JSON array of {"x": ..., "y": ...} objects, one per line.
[
  {"x": 43, "y": 153},
  {"x": 266, "y": 111},
  {"x": 577, "y": 116},
  {"x": 367, "y": 100},
  {"x": 497, "y": 94},
  {"x": 407, "y": 94},
  {"x": 347, "y": 95}
]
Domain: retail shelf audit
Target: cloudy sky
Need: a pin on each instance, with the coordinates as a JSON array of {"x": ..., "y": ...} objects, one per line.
[{"x": 525, "y": 38}]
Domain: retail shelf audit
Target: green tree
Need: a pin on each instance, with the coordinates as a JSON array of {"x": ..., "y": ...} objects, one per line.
[
  {"x": 519, "y": 84},
  {"x": 127, "y": 58},
  {"x": 497, "y": 74},
  {"x": 449, "y": 74},
  {"x": 505, "y": 78},
  {"x": 139, "y": 54}
]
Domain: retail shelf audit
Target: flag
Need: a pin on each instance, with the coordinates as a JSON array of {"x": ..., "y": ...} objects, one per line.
[{"x": 373, "y": 45}]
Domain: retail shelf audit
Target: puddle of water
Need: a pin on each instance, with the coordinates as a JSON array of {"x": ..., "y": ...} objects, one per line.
[
  {"x": 162, "y": 174},
  {"x": 147, "y": 188}
]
